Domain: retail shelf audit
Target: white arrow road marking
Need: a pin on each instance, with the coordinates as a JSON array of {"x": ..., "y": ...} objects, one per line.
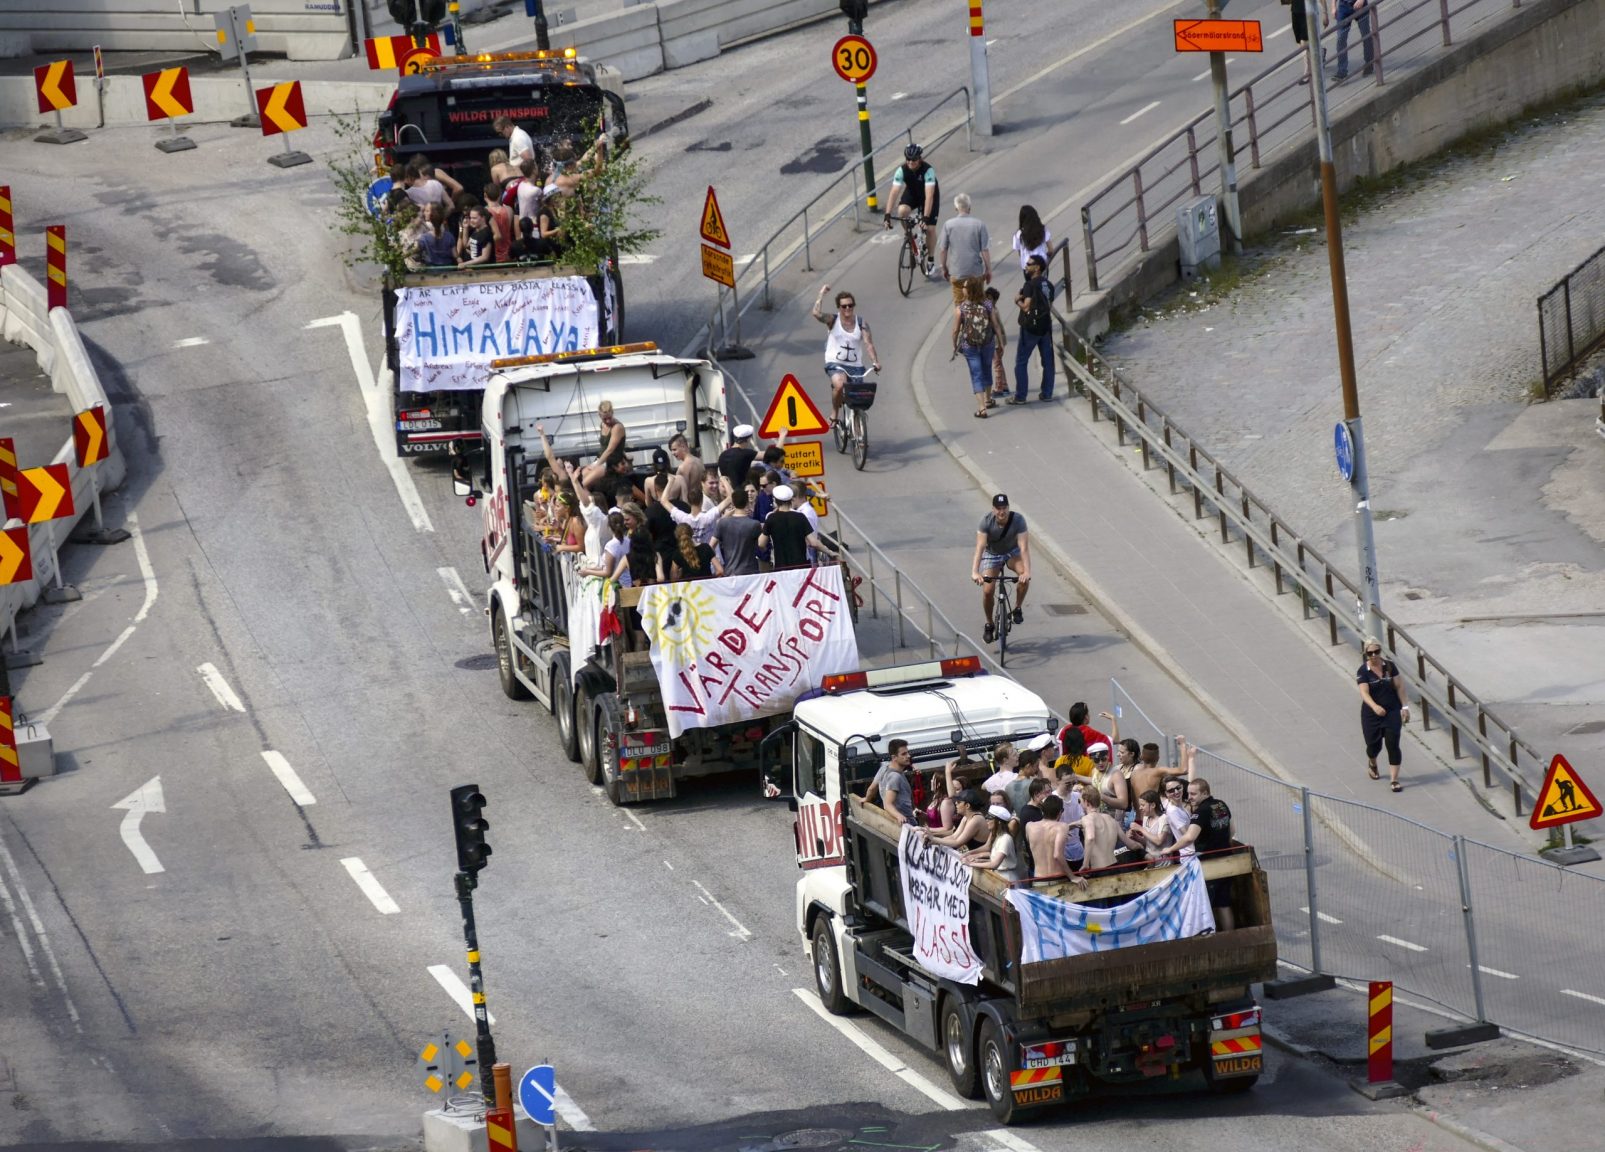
[
  {"x": 292, "y": 783},
  {"x": 146, "y": 798},
  {"x": 371, "y": 888},
  {"x": 384, "y": 436},
  {"x": 219, "y": 686},
  {"x": 457, "y": 990}
]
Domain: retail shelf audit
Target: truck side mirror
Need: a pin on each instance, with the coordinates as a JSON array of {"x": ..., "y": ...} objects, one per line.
[{"x": 771, "y": 767}]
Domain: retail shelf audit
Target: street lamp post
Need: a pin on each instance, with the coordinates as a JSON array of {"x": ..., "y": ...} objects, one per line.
[
  {"x": 1223, "y": 138},
  {"x": 1370, "y": 598}
]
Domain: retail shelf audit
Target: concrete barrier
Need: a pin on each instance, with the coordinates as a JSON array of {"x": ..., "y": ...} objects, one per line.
[
  {"x": 299, "y": 29},
  {"x": 627, "y": 40},
  {"x": 217, "y": 100}
]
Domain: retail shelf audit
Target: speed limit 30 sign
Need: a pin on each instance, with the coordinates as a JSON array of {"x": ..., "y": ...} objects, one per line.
[{"x": 854, "y": 59}]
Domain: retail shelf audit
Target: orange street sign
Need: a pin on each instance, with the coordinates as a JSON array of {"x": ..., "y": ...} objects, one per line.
[
  {"x": 44, "y": 493},
  {"x": 792, "y": 412},
  {"x": 717, "y": 265},
  {"x": 280, "y": 108},
  {"x": 1563, "y": 799},
  {"x": 806, "y": 459},
  {"x": 16, "y": 566},
  {"x": 713, "y": 229},
  {"x": 1219, "y": 36},
  {"x": 89, "y": 436},
  {"x": 55, "y": 86}
]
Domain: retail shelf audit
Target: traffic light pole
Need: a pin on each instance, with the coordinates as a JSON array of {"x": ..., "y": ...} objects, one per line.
[
  {"x": 476, "y": 988},
  {"x": 866, "y": 141},
  {"x": 1223, "y": 139},
  {"x": 543, "y": 39}
]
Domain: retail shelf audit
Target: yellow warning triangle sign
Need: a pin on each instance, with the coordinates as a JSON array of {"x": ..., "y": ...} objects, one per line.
[
  {"x": 713, "y": 221},
  {"x": 792, "y": 412},
  {"x": 1564, "y": 798}
]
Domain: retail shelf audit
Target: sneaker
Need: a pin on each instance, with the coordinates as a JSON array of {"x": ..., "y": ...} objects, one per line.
[
  {"x": 990, "y": 635},
  {"x": 1017, "y": 400},
  {"x": 1339, "y": 77},
  {"x": 1018, "y": 616}
]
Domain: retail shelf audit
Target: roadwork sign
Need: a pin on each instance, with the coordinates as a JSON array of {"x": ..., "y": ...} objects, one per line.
[
  {"x": 44, "y": 493},
  {"x": 805, "y": 459},
  {"x": 1564, "y": 798},
  {"x": 16, "y": 563},
  {"x": 718, "y": 266},
  {"x": 167, "y": 95},
  {"x": 1219, "y": 36},
  {"x": 792, "y": 412},
  {"x": 713, "y": 229},
  {"x": 392, "y": 51},
  {"x": 281, "y": 108},
  {"x": 55, "y": 86},
  {"x": 446, "y": 1063},
  {"x": 89, "y": 436}
]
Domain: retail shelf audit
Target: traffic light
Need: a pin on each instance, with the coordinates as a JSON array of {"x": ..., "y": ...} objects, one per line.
[
  {"x": 855, "y": 10},
  {"x": 404, "y": 12},
  {"x": 467, "y": 805},
  {"x": 431, "y": 12}
]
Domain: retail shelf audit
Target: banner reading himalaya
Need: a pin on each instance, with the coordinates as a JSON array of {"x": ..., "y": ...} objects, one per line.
[
  {"x": 448, "y": 334},
  {"x": 746, "y": 646}
]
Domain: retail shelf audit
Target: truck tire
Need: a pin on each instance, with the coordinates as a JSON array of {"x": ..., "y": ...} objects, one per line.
[
  {"x": 992, "y": 1056},
  {"x": 827, "y": 972},
  {"x": 563, "y": 708},
  {"x": 585, "y": 725},
  {"x": 958, "y": 1049},
  {"x": 512, "y": 687},
  {"x": 609, "y": 726}
]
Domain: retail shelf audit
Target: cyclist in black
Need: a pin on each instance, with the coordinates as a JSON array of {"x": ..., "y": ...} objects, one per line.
[
  {"x": 915, "y": 191},
  {"x": 1002, "y": 540}
]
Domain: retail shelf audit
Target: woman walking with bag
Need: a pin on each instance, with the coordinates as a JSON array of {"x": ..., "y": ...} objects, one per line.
[
  {"x": 977, "y": 334},
  {"x": 1383, "y": 711}
]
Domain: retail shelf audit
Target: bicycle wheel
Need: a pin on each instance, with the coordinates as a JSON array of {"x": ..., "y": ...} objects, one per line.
[
  {"x": 1000, "y": 621},
  {"x": 905, "y": 265},
  {"x": 842, "y": 431},
  {"x": 860, "y": 438}
]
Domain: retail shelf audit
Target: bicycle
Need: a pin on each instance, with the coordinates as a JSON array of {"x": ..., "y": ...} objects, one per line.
[
  {"x": 852, "y": 430},
  {"x": 1002, "y": 610},
  {"x": 913, "y": 253}
]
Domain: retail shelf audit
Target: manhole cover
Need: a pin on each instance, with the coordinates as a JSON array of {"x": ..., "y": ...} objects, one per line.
[
  {"x": 1586, "y": 728},
  {"x": 1065, "y": 609},
  {"x": 478, "y": 663},
  {"x": 811, "y": 1138}
]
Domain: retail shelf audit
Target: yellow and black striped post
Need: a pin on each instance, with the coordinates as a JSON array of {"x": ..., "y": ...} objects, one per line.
[
  {"x": 866, "y": 142},
  {"x": 476, "y": 987},
  {"x": 456, "y": 28}
]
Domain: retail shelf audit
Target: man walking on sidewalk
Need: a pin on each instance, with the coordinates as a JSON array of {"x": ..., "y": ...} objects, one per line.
[
  {"x": 964, "y": 248},
  {"x": 1034, "y": 300},
  {"x": 1348, "y": 12}
]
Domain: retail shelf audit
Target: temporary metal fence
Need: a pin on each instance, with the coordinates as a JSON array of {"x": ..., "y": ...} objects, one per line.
[
  {"x": 1272, "y": 112},
  {"x": 1571, "y": 320}
]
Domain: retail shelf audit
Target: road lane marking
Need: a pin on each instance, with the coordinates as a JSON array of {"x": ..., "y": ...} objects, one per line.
[
  {"x": 1401, "y": 943},
  {"x": 457, "y": 590},
  {"x": 1143, "y": 111},
  {"x": 1279, "y": 31},
  {"x": 146, "y": 798},
  {"x": 1081, "y": 51},
  {"x": 39, "y": 931},
  {"x": 1322, "y": 917},
  {"x": 634, "y": 819},
  {"x": 384, "y": 436},
  {"x": 899, "y": 95},
  {"x": 371, "y": 888},
  {"x": 148, "y": 574},
  {"x": 637, "y": 258},
  {"x": 1205, "y": 73},
  {"x": 1583, "y": 996},
  {"x": 219, "y": 686},
  {"x": 191, "y": 342},
  {"x": 881, "y": 1056},
  {"x": 570, "y": 1111},
  {"x": 457, "y": 990},
  {"x": 22, "y": 934},
  {"x": 742, "y": 932},
  {"x": 1497, "y": 972},
  {"x": 292, "y": 783}
]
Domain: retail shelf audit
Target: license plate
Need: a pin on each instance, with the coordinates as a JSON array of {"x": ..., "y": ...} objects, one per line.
[
  {"x": 1054, "y": 1054},
  {"x": 420, "y": 425},
  {"x": 1050, "y": 1061}
]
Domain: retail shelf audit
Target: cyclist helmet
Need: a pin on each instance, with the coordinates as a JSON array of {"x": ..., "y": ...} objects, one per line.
[{"x": 913, "y": 152}]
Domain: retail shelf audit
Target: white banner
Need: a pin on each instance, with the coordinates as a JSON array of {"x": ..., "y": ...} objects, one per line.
[
  {"x": 936, "y": 899},
  {"x": 1176, "y": 910},
  {"x": 448, "y": 334},
  {"x": 745, "y": 646}
]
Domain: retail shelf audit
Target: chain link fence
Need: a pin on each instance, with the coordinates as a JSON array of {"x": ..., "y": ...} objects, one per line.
[{"x": 1571, "y": 320}]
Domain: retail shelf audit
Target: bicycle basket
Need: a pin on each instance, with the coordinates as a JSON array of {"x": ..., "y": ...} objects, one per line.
[{"x": 860, "y": 393}]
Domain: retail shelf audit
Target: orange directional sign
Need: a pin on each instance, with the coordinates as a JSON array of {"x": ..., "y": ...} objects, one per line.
[
  {"x": 44, "y": 493},
  {"x": 792, "y": 412},
  {"x": 167, "y": 94},
  {"x": 16, "y": 565},
  {"x": 55, "y": 86},
  {"x": 718, "y": 266},
  {"x": 89, "y": 436},
  {"x": 280, "y": 108},
  {"x": 1564, "y": 798},
  {"x": 1219, "y": 36},
  {"x": 713, "y": 229},
  {"x": 854, "y": 59},
  {"x": 392, "y": 51}
]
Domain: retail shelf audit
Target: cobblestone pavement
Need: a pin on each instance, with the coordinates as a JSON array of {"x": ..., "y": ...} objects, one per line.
[{"x": 1489, "y": 506}]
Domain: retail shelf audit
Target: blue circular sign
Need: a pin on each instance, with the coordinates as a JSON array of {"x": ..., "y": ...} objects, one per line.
[
  {"x": 1343, "y": 444},
  {"x": 377, "y": 191}
]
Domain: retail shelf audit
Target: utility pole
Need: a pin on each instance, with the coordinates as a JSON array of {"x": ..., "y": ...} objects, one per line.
[
  {"x": 1223, "y": 137},
  {"x": 1370, "y": 597},
  {"x": 855, "y": 11},
  {"x": 980, "y": 81}
]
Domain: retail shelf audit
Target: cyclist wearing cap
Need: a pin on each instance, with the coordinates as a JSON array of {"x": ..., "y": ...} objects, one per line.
[
  {"x": 915, "y": 190},
  {"x": 1001, "y": 540},
  {"x": 846, "y": 347}
]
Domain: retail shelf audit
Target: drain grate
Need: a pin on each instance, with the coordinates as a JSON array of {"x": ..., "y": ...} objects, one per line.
[
  {"x": 482, "y": 663},
  {"x": 811, "y": 1138},
  {"x": 1065, "y": 609}
]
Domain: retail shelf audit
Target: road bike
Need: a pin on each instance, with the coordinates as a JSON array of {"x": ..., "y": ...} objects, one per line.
[
  {"x": 913, "y": 253},
  {"x": 852, "y": 430},
  {"x": 1002, "y": 609}
]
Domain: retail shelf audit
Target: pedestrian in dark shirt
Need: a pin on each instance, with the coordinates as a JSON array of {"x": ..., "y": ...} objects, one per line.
[
  {"x": 736, "y": 536},
  {"x": 736, "y": 461},
  {"x": 1210, "y": 831},
  {"x": 787, "y": 531},
  {"x": 1383, "y": 710}
]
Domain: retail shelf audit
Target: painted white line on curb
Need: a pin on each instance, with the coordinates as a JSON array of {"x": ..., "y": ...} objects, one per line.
[
  {"x": 742, "y": 932},
  {"x": 371, "y": 888},
  {"x": 191, "y": 342},
  {"x": 1143, "y": 111},
  {"x": 1583, "y": 996},
  {"x": 292, "y": 783},
  {"x": 384, "y": 436},
  {"x": 39, "y": 931},
  {"x": 456, "y": 989},
  {"x": 1497, "y": 972},
  {"x": 1401, "y": 943},
  {"x": 457, "y": 590},
  {"x": 219, "y": 686}
]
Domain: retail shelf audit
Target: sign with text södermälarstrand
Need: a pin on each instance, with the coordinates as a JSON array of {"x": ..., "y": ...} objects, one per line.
[
  {"x": 741, "y": 647},
  {"x": 936, "y": 898},
  {"x": 1219, "y": 35}
]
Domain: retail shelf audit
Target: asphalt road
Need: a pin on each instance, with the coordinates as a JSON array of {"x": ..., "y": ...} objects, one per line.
[{"x": 284, "y": 649}]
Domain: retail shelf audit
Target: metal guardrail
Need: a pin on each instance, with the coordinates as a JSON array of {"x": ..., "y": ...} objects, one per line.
[
  {"x": 1571, "y": 320},
  {"x": 1296, "y": 565},
  {"x": 1269, "y": 113},
  {"x": 766, "y": 261}
]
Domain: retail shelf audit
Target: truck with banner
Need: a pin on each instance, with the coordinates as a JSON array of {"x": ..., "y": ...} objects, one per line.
[
  {"x": 653, "y": 684},
  {"x": 1031, "y": 993}
]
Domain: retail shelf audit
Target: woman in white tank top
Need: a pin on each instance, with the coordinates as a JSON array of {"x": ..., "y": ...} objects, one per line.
[{"x": 845, "y": 347}]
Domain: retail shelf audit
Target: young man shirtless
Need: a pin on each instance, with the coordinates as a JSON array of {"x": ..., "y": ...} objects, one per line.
[
  {"x": 1100, "y": 832},
  {"x": 1046, "y": 838}
]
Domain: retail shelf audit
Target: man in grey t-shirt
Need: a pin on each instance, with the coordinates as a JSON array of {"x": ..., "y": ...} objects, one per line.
[
  {"x": 891, "y": 788},
  {"x": 1001, "y": 540},
  {"x": 965, "y": 248}
]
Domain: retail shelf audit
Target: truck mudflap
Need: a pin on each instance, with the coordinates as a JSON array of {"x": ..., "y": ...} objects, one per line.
[
  {"x": 641, "y": 763},
  {"x": 1036, "y": 1086},
  {"x": 1236, "y": 1047}
]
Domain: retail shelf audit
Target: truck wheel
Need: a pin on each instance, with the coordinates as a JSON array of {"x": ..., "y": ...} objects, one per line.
[
  {"x": 995, "y": 1067},
  {"x": 608, "y": 736},
  {"x": 512, "y": 687},
  {"x": 828, "y": 973},
  {"x": 959, "y": 1048},
  {"x": 585, "y": 723},
  {"x": 563, "y": 708}
]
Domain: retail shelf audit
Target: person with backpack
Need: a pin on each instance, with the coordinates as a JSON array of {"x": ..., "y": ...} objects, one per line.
[
  {"x": 976, "y": 332},
  {"x": 1035, "y": 301}
]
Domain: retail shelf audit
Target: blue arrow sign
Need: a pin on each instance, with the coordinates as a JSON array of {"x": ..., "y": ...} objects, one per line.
[
  {"x": 537, "y": 1092},
  {"x": 377, "y": 191},
  {"x": 1343, "y": 445}
]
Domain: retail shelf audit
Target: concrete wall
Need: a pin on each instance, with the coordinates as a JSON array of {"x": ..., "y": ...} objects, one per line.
[
  {"x": 217, "y": 99},
  {"x": 299, "y": 29},
  {"x": 627, "y": 40},
  {"x": 1542, "y": 51}
]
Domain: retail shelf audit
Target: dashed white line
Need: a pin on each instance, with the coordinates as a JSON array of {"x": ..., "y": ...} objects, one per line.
[
  {"x": 1143, "y": 111},
  {"x": 1205, "y": 73},
  {"x": 219, "y": 686},
  {"x": 191, "y": 342},
  {"x": 899, "y": 95},
  {"x": 742, "y": 932},
  {"x": 1583, "y": 996},
  {"x": 634, "y": 819},
  {"x": 371, "y": 888},
  {"x": 1497, "y": 972},
  {"x": 1279, "y": 31},
  {"x": 39, "y": 931},
  {"x": 292, "y": 783},
  {"x": 457, "y": 590},
  {"x": 456, "y": 989},
  {"x": 1401, "y": 943},
  {"x": 1322, "y": 917},
  {"x": 669, "y": 866}
]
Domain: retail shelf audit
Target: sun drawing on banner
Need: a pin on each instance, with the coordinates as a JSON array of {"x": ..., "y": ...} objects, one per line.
[{"x": 681, "y": 622}]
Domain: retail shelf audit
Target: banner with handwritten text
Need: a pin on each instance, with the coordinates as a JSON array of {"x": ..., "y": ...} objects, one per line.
[{"x": 936, "y": 898}]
